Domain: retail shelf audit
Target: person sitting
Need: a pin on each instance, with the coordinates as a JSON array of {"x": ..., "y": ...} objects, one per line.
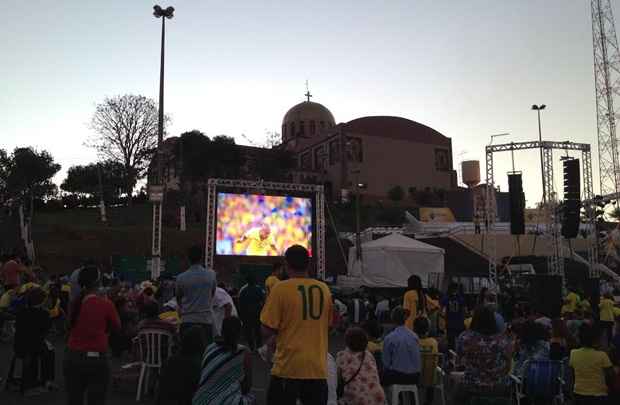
[
  {"x": 374, "y": 332},
  {"x": 226, "y": 376},
  {"x": 428, "y": 346},
  {"x": 170, "y": 313},
  {"x": 592, "y": 368},
  {"x": 358, "y": 369},
  {"x": 532, "y": 346},
  {"x": 486, "y": 357},
  {"x": 181, "y": 372},
  {"x": 32, "y": 325},
  {"x": 151, "y": 320},
  {"x": 401, "y": 353}
]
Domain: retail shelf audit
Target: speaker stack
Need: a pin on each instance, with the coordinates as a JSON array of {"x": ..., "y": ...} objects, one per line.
[
  {"x": 517, "y": 203},
  {"x": 572, "y": 199}
]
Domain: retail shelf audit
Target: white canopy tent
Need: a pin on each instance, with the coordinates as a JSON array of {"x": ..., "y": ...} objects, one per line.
[{"x": 389, "y": 261}]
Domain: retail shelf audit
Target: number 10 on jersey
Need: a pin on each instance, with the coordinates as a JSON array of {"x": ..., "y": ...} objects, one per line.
[{"x": 312, "y": 301}]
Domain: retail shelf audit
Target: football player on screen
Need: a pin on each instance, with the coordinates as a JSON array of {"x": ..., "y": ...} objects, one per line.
[{"x": 260, "y": 241}]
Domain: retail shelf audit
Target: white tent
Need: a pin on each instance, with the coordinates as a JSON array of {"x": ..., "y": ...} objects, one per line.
[{"x": 389, "y": 261}]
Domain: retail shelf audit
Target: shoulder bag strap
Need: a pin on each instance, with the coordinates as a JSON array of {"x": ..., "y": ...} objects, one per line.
[{"x": 358, "y": 370}]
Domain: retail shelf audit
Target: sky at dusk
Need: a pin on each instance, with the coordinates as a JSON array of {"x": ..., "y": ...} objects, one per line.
[{"x": 469, "y": 69}]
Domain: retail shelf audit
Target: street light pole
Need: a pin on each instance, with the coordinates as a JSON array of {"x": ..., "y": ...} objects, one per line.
[
  {"x": 538, "y": 109},
  {"x": 164, "y": 14}
]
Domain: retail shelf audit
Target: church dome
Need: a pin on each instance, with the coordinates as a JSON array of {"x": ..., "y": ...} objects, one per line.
[{"x": 306, "y": 119}]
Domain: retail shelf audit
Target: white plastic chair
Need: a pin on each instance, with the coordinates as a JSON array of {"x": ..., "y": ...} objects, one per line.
[
  {"x": 152, "y": 356},
  {"x": 396, "y": 389}
]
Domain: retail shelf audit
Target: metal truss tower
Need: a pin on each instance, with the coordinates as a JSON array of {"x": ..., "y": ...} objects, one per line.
[{"x": 607, "y": 84}]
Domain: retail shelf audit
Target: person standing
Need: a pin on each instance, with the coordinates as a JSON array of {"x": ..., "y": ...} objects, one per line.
[
  {"x": 194, "y": 292},
  {"x": 251, "y": 300},
  {"x": 223, "y": 307},
  {"x": 414, "y": 301},
  {"x": 11, "y": 272},
  {"x": 85, "y": 365},
  {"x": 454, "y": 308},
  {"x": 274, "y": 278},
  {"x": 591, "y": 367},
  {"x": 298, "y": 313},
  {"x": 606, "y": 310}
]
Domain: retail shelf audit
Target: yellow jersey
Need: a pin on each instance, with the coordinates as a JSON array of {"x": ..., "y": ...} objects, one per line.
[
  {"x": 271, "y": 282},
  {"x": 606, "y": 309},
  {"x": 410, "y": 303},
  {"x": 589, "y": 365},
  {"x": 573, "y": 301},
  {"x": 429, "y": 345},
  {"x": 257, "y": 246},
  {"x": 300, "y": 310}
]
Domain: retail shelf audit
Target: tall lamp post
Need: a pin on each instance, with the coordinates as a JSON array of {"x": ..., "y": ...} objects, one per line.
[
  {"x": 538, "y": 109},
  {"x": 156, "y": 194}
]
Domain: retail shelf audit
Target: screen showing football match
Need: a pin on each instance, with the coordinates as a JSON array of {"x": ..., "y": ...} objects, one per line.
[{"x": 262, "y": 225}]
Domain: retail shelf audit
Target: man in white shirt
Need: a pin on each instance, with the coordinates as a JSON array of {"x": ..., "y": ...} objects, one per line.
[{"x": 223, "y": 307}]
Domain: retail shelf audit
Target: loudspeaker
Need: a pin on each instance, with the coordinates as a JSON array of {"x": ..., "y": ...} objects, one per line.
[
  {"x": 517, "y": 204},
  {"x": 572, "y": 199},
  {"x": 545, "y": 293}
]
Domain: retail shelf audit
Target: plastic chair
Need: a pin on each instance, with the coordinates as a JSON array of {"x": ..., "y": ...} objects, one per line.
[
  {"x": 154, "y": 347},
  {"x": 396, "y": 389},
  {"x": 555, "y": 387}
]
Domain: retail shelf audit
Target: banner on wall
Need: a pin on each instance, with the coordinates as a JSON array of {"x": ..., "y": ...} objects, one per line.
[{"x": 431, "y": 214}]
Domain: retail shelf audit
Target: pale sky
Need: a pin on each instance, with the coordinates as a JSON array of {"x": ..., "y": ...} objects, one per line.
[{"x": 469, "y": 69}]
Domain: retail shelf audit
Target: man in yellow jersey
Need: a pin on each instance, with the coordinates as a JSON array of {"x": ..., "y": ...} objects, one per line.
[
  {"x": 274, "y": 278},
  {"x": 260, "y": 241},
  {"x": 298, "y": 312},
  {"x": 606, "y": 315},
  {"x": 572, "y": 300}
]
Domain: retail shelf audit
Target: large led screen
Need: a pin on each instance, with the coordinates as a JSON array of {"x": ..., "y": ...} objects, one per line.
[{"x": 262, "y": 225}]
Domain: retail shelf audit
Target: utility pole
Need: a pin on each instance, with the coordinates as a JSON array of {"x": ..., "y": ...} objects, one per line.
[{"x": 157, "y": 194}]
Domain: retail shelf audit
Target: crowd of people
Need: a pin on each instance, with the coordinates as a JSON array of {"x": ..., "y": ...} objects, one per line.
[{"x": 484, "y": 346}]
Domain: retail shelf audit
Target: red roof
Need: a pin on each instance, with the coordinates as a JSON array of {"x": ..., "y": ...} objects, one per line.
[{"x": 396, "y": 128}]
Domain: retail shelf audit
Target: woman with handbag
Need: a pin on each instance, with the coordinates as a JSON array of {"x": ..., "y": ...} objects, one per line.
[{"x": 358, "y": 378}]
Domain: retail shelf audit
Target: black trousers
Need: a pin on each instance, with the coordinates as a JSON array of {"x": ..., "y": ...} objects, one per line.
[
  {"x": 391, "y": 377},
  {"x": 608, "y": 327},
  {"x": 86, "y": 377},
  {"x": 286, "y": 391},
  {"x": 252, "y": 332},
  {"x": 207, "y": 331}
]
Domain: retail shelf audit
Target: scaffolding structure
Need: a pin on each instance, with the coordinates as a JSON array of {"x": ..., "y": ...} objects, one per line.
[
  {"x": 551, "y": 230},
  {"x": 607, "y": 88},
  {"x": 265, "y": 187}
]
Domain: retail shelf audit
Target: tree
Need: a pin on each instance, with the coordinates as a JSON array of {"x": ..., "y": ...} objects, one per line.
[
  {"x": 275, "y": 164},
  {"x": 4, "y": 175},
  {"x": 30, "y": 175},
  {"x": 396, "y": 193},
  {"x": 127, "y": 129},
  {"x": 85, "y": 180}
]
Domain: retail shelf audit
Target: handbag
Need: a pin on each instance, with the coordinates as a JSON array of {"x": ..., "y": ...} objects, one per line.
[{"x": 342, "y": 383}]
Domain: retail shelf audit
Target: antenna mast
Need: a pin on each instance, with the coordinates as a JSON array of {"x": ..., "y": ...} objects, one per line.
[{"x": 607, "y": 85}]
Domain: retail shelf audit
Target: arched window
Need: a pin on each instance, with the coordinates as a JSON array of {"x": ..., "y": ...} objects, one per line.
[
  {"x": 283, "y": 131},
  {"x": 293, "y": 129},
  {"x": 312, "y": 127},
  {"x": 322, "y": 124},
  {"x": 302, "y": 129}
]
